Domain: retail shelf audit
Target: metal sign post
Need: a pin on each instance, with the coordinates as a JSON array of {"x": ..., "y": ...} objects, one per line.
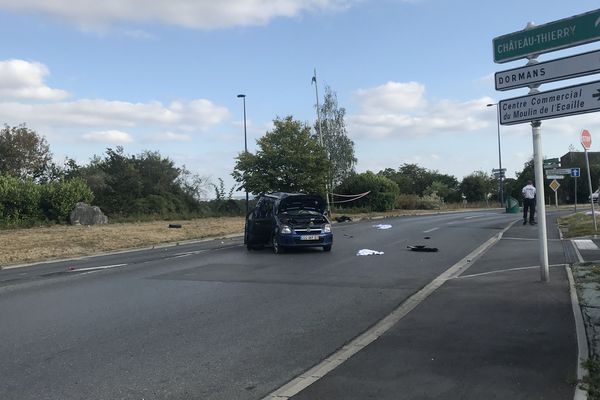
[
  {"x": 586, "y": 142},
  {"x": 554, "y": 185},
  {"x": 537, "y": 106},
  {"x": 540, "y": 203},
  {"x": 575, "y": 172}
]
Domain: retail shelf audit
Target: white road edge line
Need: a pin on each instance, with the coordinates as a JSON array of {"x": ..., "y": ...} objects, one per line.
[
  {"x": 497, "y": 271},
  {"x": 301, "y": 382},
  {"x": 582, "y": 344},
  {"x": 579, "y": 257},
  {"x": 97, "y": 268},
  {"x": 431, "y": 230}
]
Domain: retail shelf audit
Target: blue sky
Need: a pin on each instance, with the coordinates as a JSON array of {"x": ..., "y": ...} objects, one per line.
[{"x": 414, "y": 76}]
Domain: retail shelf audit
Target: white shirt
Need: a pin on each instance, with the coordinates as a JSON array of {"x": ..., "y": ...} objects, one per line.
[{"x": 529, "y": 192}]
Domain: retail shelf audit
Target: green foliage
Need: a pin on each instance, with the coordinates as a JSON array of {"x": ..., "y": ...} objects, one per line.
[
  {"x": 412, "y": 179},
  {"x": 134, "y": 185},
  {"x": 25, "y": 202},
  {"x": 477, "y": 186},
  {"x": 19, "y": 201},
  {"x": 414, "y": 202},
  {"x": 58, "y": 199},
  {"x": 340, "y": 148},
  {"x": 383, "y": 191},
  {"x": 287, "y": 160},
  {"x": 23, "y": 153},
  {"x": 591, "y": 381}
]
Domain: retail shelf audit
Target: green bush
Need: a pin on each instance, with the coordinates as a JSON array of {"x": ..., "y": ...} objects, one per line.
[
  {"x": 382, "y": 196},
  {"x": 59, "y": 198},
  {"x": 25, "y": 202},
  {"x": 19, "y": 200}
]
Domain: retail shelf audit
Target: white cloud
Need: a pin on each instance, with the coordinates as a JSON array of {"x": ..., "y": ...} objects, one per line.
[
  {"x": 108, "y": 137},
  {"x": 197, "y": 14},
  {"x": 402, "y": 110},
  {"x": 21, "y": 79},
  {"x": 196, "y": 115},
  {"x": 170, "y": 137},
  {"x": 392, "y": 97}
]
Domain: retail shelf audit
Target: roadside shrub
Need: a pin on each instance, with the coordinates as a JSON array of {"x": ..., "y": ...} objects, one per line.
[
  {"x": 19, "y": 200},
  {"x": 382, "y": 196},
  {"x": 406, "y": 201},
  {"x": 58, "y": 199}
]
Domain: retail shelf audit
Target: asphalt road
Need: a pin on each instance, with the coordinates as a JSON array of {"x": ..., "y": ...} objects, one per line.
[{"x": 211, "y": 320}]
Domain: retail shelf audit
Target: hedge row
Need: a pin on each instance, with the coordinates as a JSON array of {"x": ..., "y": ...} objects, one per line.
[{"x": 25, "y": 202}]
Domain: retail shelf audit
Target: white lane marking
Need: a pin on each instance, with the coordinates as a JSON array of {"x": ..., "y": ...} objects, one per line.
[
  {"x": 528, "y": 239},
  {"x": 431, "y": 230},
  {"x": 585, "y": 244},
  {"x": 317, "y": 372},
  {"x": 582, "y": 345},
  {"x": 189, "y": 253},
  {"x": 577, "y": 252},
  {"x": 497, "y": 271},
  {"x": 97, "y": 268}
]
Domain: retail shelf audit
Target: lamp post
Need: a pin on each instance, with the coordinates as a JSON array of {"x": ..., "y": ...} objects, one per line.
[
  {"x": 243, "y": 96},
  {"x": 499, "y": 153}
]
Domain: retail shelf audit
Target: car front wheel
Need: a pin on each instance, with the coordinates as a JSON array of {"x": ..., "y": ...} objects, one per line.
[{"x": 327, "y": 248}]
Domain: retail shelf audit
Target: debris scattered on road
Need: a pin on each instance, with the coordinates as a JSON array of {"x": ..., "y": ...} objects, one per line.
[
  {"x": 343, "y": 218},
  {"x": 382, "y": 226},
  {"x": 427, "y": 237},
  {"x": 423, "y": 248},
  {"x": 367, "y": 252},
  {"x": 174, "y": 225},
  {"x": 348, "y": 236}
]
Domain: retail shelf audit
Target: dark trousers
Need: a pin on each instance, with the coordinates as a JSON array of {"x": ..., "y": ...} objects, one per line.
[{"x": 528, "y": 205}]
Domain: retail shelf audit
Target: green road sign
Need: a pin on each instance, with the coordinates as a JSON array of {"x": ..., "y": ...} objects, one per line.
[
  {"x": 551, "y": 161},
  {"x": 561, "y": 34}
]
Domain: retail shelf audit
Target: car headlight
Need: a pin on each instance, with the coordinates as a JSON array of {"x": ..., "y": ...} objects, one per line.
[
  {"x": 286, "y": 230},
  {"x": 327, "y": 228}
]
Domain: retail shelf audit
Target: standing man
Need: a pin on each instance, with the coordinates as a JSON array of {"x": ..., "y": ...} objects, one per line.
[{"x": 529, "y": 202}]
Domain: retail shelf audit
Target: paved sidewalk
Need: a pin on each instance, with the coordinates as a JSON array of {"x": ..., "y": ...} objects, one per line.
[{"x": 495, "y": 332}]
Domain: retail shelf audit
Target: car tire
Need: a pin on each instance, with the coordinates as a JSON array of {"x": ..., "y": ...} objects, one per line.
[
  {"x": 249, "y": 247},
  {"x": 327, "y": 248},
  {"x": 277, "y": 248}
]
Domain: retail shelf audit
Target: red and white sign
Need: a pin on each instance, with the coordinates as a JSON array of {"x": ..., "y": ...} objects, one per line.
[{"x": 586, "y": 139}]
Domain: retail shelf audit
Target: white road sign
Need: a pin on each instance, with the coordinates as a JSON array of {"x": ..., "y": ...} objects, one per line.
[
  {"x": 559, "y": 171},
  {"x": 554, "y": 177},
  {"x": 549, "y": 71},
  {"x": 571, "y": 100}
]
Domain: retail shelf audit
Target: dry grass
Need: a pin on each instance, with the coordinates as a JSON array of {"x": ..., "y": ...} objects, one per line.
[
  {"x": 578, "y": 224},
  {"x": 36, "y": 244},
  {"x": 57, "y": 242}
]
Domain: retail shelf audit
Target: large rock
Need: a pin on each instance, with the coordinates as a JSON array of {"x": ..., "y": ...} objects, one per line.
[{"x": 87, "y": 215}]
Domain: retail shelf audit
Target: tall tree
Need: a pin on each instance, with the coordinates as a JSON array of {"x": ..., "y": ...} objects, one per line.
[
  {"x": 23, "y": 153},
  {"x": 288, "y": 159},
  {"x": 340, "y": 148},
  {"x": 476, "y": 186}
]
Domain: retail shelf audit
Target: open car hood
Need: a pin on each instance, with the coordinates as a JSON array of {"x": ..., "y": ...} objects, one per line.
[{"x": 302, "y": 202}]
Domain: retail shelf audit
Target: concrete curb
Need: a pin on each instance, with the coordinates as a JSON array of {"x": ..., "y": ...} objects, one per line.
[{"x": 582, "y": 344}]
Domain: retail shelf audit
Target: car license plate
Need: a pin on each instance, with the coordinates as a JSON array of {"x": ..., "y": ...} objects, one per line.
[{"x": 309, "y": 237}]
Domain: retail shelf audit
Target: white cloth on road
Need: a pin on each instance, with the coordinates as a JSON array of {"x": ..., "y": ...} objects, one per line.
[
  {"x": 382, "y": 226},
  {"x": 367, "y": 252}
]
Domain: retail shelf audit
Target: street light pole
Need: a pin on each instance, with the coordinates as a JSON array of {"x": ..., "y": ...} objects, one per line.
[
  {"x": 499, "y": 153},
  {"x": 243, "y": 96}
]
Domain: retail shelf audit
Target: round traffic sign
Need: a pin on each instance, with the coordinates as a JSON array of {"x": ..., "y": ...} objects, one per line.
[{"x": 586, "y": 139}]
